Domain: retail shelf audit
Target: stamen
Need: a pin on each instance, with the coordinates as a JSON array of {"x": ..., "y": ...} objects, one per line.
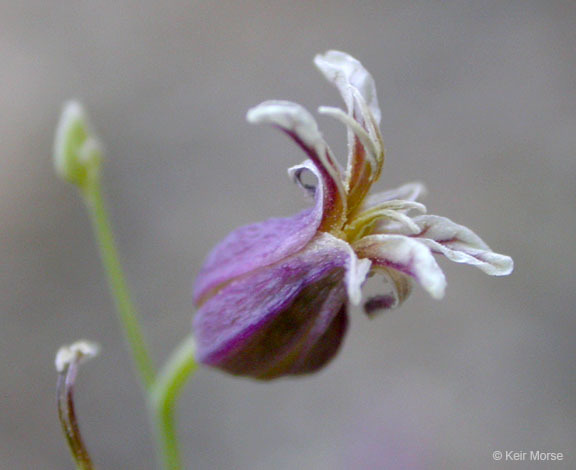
[
  {"x": 402, "y": 218},
  {"x": 358, "y": 130},
  {"x": 365, "y": 221},
  {"x": 371, "y": 126},
  {"x": 399, "y": 205}
]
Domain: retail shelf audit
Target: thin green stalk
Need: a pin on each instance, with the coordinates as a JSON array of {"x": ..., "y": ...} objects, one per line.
[
  {"x": 77, "y": 159},
  {"x": 163, "y": 397},
  {"x": 162, "y": 389},
  {"x": 125, "y": 307}
]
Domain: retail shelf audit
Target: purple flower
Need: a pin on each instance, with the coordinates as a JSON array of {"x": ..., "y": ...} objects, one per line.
[{"x": 273, "y": 296}]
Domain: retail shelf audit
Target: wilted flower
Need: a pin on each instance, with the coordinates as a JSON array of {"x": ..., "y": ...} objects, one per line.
[
  {"x": 273, "y": 296},
  {"x": 67, "y": 362}
]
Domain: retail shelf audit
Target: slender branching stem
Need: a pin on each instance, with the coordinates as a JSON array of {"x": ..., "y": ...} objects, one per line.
[
  {"x": 162, "y": 390},
  {"x": 126, "y": 309},
  {"x": 77, "y": 159}
]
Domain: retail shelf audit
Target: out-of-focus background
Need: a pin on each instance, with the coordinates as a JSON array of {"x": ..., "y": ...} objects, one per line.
[{"x": 478, "y": 101}]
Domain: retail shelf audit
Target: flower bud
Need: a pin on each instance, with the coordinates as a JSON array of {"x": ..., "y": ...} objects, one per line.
[{"x": 77, "y": 152}]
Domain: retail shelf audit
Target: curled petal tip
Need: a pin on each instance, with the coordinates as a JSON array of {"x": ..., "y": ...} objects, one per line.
[
  {"x": 348, "y": 74},
  {"x": 285, "y": 114},
  {"x": 301, "y": 127},
  {"x": 461, "y": 245},
  {"x": 507, "y": 266},
  {"x": 503, "y": 265},
  {"x": 296, "y": 121}
]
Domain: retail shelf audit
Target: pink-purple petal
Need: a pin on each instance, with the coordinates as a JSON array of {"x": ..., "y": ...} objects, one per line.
[
  {"x": 266, "y": 323},
  {"x": 461, "y": 245},
  {"x": 301, "y": 127},
  {"x": 255, "y": 246},
  {"x": 324, "y": 347},
  {"x": 406, "y": 255},
  {"x": 348, "y": 74}
]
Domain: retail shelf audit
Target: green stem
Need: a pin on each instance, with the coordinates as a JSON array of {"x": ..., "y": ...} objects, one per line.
[
  {"x": 78, "y": 157},
  {"x": 125, "y": 307},
  {"x": 162, "y": 389},
  {"x": 163, "y": 397}
]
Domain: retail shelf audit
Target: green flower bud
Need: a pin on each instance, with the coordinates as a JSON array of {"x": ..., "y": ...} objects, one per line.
[{"x": 77, "y": 152}]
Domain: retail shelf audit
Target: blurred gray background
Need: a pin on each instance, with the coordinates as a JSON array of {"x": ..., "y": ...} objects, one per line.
[{"x": 478, "y": 101}]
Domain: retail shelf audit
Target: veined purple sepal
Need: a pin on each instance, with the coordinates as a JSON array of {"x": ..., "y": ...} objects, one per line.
[
  {"x": 257, "y": 245},
  {"x": 286, "y": 318}
]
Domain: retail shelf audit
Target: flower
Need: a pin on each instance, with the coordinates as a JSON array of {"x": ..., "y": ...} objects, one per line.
[{"x": 273, "y": 296}]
